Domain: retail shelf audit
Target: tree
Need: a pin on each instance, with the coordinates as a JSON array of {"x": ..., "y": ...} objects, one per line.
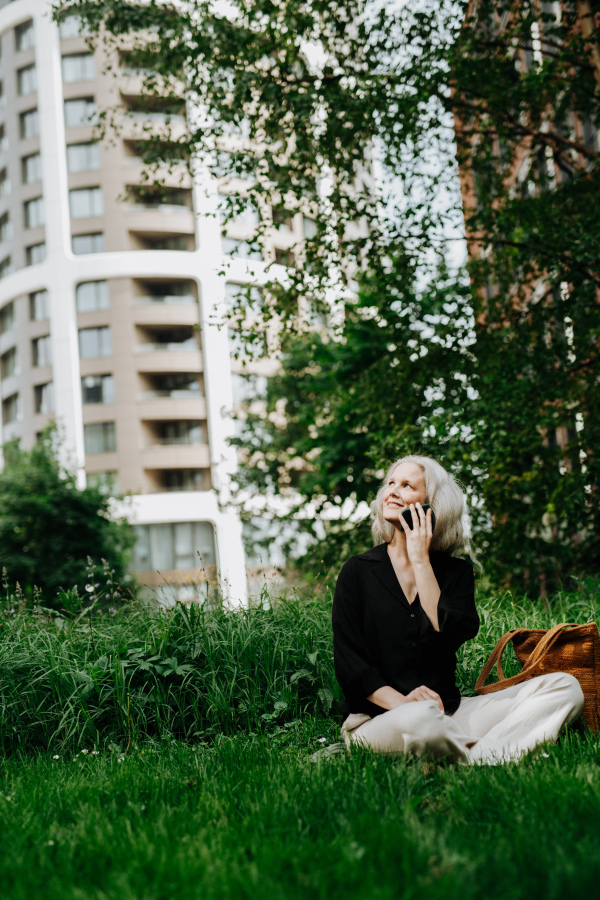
[
  {"x": 322, "y": 93},
  {"x": 49, "y": 528}
]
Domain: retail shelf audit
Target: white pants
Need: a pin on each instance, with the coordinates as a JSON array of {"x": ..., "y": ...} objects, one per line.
[{"x": 493, "y": 728}]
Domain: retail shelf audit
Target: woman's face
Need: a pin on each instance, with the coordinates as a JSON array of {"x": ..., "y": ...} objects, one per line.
[{"x": 406, "y": 485}]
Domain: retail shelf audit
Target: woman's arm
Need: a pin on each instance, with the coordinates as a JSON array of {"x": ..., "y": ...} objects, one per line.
[
  {"x": 389, "y": 698},
  {"x": 418, "y": 542},
  {"x": 428, "y": 590},
  {"x": 355, "y": 670}
]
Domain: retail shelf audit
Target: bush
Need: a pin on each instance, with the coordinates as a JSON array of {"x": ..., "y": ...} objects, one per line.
[{"x": 49, "y": 527}]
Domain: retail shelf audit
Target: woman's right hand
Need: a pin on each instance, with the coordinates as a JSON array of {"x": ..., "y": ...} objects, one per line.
[{"x": 424, "y": 693}]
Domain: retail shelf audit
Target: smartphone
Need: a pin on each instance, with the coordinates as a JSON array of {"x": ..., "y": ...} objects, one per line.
[{"x": 407, "y": 515}]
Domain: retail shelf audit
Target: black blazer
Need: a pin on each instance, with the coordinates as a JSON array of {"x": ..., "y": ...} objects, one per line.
[{"x": 380, "y": 639}]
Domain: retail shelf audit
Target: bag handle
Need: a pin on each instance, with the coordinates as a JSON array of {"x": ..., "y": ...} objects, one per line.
[
  {"x": 496, "y": 657},
  {"x": 542, "y": 647},
  {"x": 532, "y": 660}
]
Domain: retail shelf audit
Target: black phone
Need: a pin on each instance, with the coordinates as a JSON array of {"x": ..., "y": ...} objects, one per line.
[{"x": 407, "y": 515}]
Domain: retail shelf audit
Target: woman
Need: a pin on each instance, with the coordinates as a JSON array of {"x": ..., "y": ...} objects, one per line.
[{"x": 400, "y": 613}]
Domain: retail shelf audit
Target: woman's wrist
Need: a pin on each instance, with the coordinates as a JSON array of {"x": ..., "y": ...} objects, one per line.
[{"x": 387, "y": 697}]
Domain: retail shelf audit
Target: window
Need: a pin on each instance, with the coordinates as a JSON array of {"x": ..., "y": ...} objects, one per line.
[
  {"x": 11, "y": 409},
  {"x": 8, "y": 363},
  {"x": 160, "y": 337},
  {"x": 283, "y": 219},
  {"x": 100, "y": 437},
  {"x": 72, "y": 26},
  {"x": 31, "y": 168},
  {"x": 25, "y": 36},
  {"x": 92, "y": 295},
  {"x": 94, "y": 342},
  {"x": 34, "y": 212},
  {"x": 174, "y": 545},
  {"x": 3, "y": 139},
  {"x": 39, "y": 307},
  {"x": 167, "y": 292},
  {"x": 285, "y": 257},
  {"x": 186, "y": 432},
  {"x": 240, "y": 249},
  {"x": 35, "y": 254},
  {"x": 247, "y": 388},
  {"x": 7, "y": 317},
  {"x": 27, "y": 80},
  {"x": 6, "y": 229},
  {"x": 78, "y": 67},
  {"x": 309, "y": 228},
  {"x": 233, "y": 209},
  {"x": 29, "y": 124},
  {"x": 41, "y": 351},
  {"x": 183, "y": 479},
  {"x": 238, "y": 294},
  {"x": 85, "y": 202},
  {"x": 105, "y": 482},
  {"x": 88, "y": 243},
  {"x": 98, "y": 389},
  {"x": 43, "y": 398},
  {"x": 4, "y": 183},
  {"x": 180, "y": 385},
  {"x": 81, "y": 111},
  {"x": 83, "y": 157},
  {"x": 6, "y": 267},
  {"x": 180, "y": 242}
]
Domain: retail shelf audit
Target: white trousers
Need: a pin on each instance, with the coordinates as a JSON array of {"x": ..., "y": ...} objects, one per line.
[{"x": 494, "y": 728}]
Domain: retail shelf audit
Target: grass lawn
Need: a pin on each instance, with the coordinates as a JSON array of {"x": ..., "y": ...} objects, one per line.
[
  {"x": 186, "y": 768},
  {"x": 254, "y": 817}
]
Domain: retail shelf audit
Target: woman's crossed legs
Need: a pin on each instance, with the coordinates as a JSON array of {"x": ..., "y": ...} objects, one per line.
[{"x": 490, "y": 729}]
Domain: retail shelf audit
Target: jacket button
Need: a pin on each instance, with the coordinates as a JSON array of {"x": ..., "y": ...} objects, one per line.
[
  {"x": 412, "y": 615},
  {"x": 414, "y": 643}
]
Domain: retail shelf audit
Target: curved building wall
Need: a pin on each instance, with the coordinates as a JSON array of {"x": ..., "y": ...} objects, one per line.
[{"x": 108, "y": 303}]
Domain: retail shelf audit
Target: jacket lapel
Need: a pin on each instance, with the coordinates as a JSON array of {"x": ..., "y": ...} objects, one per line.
[{"x": 384, "y": 571}]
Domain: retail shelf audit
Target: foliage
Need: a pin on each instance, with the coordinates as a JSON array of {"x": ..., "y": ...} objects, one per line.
[
  {"x": 49, "y": 528},
  {"x": 314, "y": 96},
  {"x": 332, "y": 446},
  {"x": 89, "y": 678}
]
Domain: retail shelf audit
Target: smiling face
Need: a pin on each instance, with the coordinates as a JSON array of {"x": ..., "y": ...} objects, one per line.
[{"x": 406, "y": 485}]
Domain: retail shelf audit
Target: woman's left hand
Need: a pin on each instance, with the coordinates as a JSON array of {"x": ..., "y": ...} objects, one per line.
[{"x": 418, "y": 540}]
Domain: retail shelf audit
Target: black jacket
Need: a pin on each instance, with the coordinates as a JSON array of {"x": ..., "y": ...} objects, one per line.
[{"x": 380, "y": 639}]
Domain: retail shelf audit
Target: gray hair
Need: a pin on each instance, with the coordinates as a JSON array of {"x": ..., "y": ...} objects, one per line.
[{"x": 447, "y": 500}]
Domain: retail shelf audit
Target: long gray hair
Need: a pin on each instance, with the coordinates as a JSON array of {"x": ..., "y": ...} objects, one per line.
[{"x": 447, "y": 500}]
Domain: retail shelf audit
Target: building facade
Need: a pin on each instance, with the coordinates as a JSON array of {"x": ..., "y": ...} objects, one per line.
[{"x": 110, "y": 300}]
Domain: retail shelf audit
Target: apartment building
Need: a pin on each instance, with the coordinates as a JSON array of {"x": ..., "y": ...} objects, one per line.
[{"x": 110, "y": 301}]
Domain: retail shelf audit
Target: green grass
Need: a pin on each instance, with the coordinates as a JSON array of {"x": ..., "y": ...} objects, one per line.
[
  {"x": 193, "y": 673},
  {"x": 203, "y": 726},
  {"x": 253, "y": 817}
]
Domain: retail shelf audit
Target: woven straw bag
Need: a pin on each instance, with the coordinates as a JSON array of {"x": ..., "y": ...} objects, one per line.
[{"x": 565, "y": 648}]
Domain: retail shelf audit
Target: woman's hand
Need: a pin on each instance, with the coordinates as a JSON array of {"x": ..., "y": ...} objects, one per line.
[
  {"x": 389, "y": 698},
  {"x": 418, "y": 540},
  {"x": 424, "y": 693}
]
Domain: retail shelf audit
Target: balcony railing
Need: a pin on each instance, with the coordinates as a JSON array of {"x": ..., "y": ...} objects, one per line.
[
  {"x": 180, "y": 441},
  {"x": 138, "y": 116},
  {"x": 175, "y": 394},
  {"x": 166, "y": 298},
  {"x": 169, "y": 208},
  {"x": 185, "y": 346}
]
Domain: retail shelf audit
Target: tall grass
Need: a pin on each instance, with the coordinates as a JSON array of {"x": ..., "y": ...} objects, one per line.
[{"x": 94, "y": 679}]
